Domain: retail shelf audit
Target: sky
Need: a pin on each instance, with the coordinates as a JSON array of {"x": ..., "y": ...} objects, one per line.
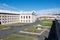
[{"x": 29, "y": 5}]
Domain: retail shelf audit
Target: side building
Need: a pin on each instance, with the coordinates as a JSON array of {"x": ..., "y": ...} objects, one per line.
[{"x": 47, "y": 17}]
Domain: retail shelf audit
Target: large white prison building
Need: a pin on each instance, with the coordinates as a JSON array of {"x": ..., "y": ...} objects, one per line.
[{"x": 15, "y": 17}]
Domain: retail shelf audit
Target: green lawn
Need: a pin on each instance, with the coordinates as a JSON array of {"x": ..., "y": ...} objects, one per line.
[
  {"x": 14, "y": 24},
  {"x": 3, "y": 26},
  {"x": 46, "y": 23},
  {"x": 33, "y": 30},
  {"x": 18, "y": 37}
]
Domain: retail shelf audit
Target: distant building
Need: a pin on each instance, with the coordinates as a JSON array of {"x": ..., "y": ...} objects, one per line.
[
  {"x": 46, "y": 16},
  {"x": 12, "y": 17}
]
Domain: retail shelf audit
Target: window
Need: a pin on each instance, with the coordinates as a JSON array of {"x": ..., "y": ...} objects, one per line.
[
  {"x": 3, "y": 21},
  {"x": 3, "y": 16},
  {"x": 29, "y": 20},
  {"x": 8, "y": 16},
  {"x": 29, "y": 17},
  {"x": 21, "y": 16},
  {"x": 26, "y": 20},
  {"x": 0, "y": 19},
  {"x": 0, "y": 16},
  {"x": 0, "y": 22},
  {"x": 26, "y": 17}
]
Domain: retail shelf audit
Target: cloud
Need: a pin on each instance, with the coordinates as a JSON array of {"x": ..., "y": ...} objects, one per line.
[
  {"x": 4, "y": 6},
  {"x": 8, "y": 7},
  {"x": 50, "y": 11}
]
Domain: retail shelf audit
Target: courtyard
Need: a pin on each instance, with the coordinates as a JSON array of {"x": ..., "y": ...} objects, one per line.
[{"x": 18, "y": 37}]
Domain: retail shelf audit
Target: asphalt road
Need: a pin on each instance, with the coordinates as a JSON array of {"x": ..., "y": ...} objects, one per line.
[{"x": 15, "y": 30}]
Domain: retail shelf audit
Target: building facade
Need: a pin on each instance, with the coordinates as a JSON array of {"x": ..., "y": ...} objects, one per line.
[
  {"x": 8, "y": 18},
  {"x": 27, "y": 17}
]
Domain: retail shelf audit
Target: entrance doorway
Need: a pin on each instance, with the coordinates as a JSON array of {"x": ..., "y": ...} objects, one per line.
[{"x": 0, "y": 23}]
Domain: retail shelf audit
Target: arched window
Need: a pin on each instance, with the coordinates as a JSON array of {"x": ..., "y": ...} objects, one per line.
[
  {"x": 26, "y": 17},
  {"x": 29, "y": 17},
  {"x": 21, "y": 16}
]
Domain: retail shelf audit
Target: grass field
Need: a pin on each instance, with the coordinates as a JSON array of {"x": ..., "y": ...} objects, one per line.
[
  {"x": 46, "y": 23},
  {"x": 12, "y": 25},
  {"x": 16, "y": 24},
  {"x": 33, "y": 30},
  {"x": 18, "y": 37},
  {"x": 3, "y": 26}
]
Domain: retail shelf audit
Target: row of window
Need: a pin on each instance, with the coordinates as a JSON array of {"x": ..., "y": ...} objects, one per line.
[
  {"x": 7, "y": 21},
  {"x": 25, "y": 17},
  {"x": 9, "y": 16},
  {"x": 18, "y": 17},
  {"x": 15, "y": 21},
  {"x": 25, "y": 20},
  {"x": 10, "y": 19}
]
